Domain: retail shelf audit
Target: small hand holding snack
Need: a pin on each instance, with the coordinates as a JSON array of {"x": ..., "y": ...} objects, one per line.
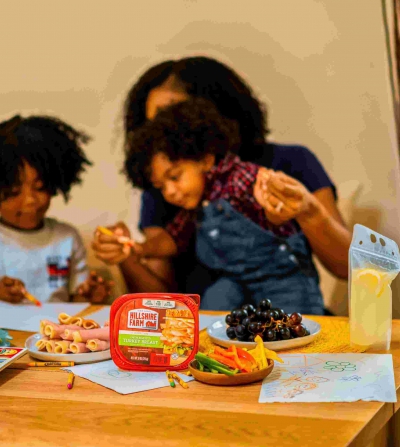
[
  {"x": 113, "y": 245},
  {"x": 282, "y": 197},
  {"x": 95, "y": 289},
  {"x": 12, "y": 290}
]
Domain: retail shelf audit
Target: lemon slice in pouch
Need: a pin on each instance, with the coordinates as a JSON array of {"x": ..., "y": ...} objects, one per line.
[{"x": 375, "y": 280}]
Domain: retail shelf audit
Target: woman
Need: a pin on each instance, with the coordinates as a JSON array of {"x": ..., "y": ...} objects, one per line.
[{"x": 306, "y": 195}]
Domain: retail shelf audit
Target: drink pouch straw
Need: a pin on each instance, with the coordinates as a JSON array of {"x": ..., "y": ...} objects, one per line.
[{"x": 374, "y": 261}]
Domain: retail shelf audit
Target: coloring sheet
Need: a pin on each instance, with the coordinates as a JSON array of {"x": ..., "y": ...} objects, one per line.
[
  {"x": 26, "y": 317},
  {"x": 124, "y": 382},
  {"x": 330, "y": 378}
]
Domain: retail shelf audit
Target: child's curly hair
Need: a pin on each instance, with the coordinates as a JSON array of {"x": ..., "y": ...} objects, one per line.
[
  {"x": 49, "y": 145},
  {"x": 187, "y": 130}
]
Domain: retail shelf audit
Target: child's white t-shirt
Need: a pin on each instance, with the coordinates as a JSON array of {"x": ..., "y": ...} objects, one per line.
[{"x": 50, "y": 261}]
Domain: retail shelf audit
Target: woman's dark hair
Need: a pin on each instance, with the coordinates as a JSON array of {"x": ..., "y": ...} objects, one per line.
[
  {"x": 184, "y": 131},
  {"x": 209, "y": 79},
  {"x": 49, "y": 145}
]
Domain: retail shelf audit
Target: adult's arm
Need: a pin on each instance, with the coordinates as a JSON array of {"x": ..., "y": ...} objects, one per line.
[
  {"x": 327, "y": 233},
  {"x": 149, "y": 274}
]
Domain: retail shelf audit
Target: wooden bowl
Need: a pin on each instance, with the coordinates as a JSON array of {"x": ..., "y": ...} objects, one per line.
[{"x": 224, "y": 380}]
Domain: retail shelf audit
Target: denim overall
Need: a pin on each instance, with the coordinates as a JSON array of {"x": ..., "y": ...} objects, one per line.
[{"x": 254, "y": 262}]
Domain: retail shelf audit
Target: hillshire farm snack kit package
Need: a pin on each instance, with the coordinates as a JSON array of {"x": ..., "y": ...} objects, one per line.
[
  {"x": 374, "y": 262},
  {"x": 154, "y": 331}
]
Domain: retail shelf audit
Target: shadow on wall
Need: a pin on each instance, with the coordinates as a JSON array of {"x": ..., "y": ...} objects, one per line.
[{"x": 276, "y": 66}]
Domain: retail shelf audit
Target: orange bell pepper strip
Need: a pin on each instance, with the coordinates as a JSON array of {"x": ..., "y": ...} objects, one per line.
[
  {"x": 226, "y": 361},
  {"x": 220, "y": 351},
  {"x": 244, "y": 366}
]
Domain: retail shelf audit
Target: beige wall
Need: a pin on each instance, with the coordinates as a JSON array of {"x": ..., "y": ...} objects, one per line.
[{"x": 320, "y": 66}]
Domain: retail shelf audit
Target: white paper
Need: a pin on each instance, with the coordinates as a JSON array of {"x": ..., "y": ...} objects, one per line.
[
  {"x": 330, "y": 378},
  {"x": 101, "y": 316},
  {"x": 124, "y": 382},
  {"x": 207, "y": 320},
  {"x": 26, "y": 317}
]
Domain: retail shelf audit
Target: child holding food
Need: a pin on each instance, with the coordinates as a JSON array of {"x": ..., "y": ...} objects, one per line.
[
  {"x": 188, "y": 152},
  {"x": 40, "y": 157}
]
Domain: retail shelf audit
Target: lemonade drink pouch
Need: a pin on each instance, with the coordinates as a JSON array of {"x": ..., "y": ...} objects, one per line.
[{"x": 374, "y": 261}]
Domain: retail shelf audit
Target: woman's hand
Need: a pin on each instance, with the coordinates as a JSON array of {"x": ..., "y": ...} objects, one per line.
[
  {"x": 282, "y": 197},
  {"x": 112, "y": 249},
  {"x": 11, "y": 290},
  {"x": 95, "y": 289}
]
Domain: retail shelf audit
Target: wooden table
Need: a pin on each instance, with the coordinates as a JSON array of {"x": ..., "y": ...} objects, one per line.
[{"x": 37, "y": 409}]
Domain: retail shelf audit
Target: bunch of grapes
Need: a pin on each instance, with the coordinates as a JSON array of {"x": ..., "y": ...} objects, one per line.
[{"x": 270, "y": 324}]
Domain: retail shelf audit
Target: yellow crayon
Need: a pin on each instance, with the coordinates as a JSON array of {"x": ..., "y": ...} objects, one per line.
[
  {"x": 170, "y": 380},
  {"x": 106, "y": 231},
  {"x": 33, "y": 299},
  {"x": 70, "y": 382},
  {"x": 121, "y": 239},
  {"x": 179, "y": 380},
  {"x": 51, "y": 364}
]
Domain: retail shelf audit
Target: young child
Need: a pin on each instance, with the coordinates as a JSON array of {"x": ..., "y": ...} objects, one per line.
[
  {"x": 188, "y": 152},
  {"x": 39, "y": 158}
]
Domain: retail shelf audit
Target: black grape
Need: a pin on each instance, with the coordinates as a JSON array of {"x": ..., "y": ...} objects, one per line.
[
  {"x": 251, "y": 310},
  {"x": 284, "y": 333},
  {"x": 229, "y": 320},
  {"x": 246, "y": 322},
  {"x": 265, "y": 304},
  {"x": 240, "y": 331},
  {"x": 231, "y": 333},
  {"x": 234, "y": 313},
  {"x": 253, "y": 327},
  {"x": 241, "y": 315},
  {"x": 259, "y": 315},
  {"x": 299, "y": 330},
  {"x": 295, "y": 319}
]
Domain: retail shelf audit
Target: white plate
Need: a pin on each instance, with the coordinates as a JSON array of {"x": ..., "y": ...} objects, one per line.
[
  {"x": 217, "y": 333},
  {"x": 88, "y": 357}
]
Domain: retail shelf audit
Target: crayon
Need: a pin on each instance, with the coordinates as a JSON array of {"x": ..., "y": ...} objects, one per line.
[
  {"x": 106, "y": 231},
  {"x": 70, "y": 382},
  {"x": 51, "y": 364},
  {"x": 180, "y": 381},
  {"x": 170, "y": 380},
  {"x": 121, "y": 239},
  {"x": 32, "y": 299}
]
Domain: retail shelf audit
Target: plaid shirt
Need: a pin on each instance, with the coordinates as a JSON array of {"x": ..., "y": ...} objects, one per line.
[{"x": 232, "y": 180}]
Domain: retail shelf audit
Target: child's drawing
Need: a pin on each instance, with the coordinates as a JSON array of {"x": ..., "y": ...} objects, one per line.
[
  {"x": 326, "y": 378},
  {"x": 340, "y": 366},
  {"x": 110, "y": 373}
]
